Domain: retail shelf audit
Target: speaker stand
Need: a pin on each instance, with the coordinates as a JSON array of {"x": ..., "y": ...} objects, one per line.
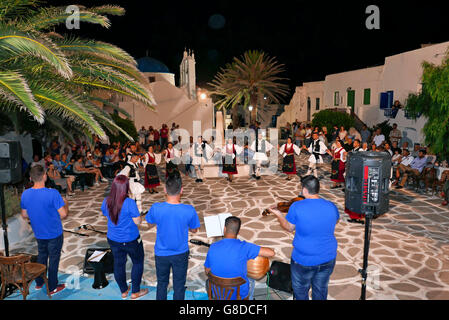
[
  {"x": 4, "y": 225},
  {"x": 368, "y": 220}
]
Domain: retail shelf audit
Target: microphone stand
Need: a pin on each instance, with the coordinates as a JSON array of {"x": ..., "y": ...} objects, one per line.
[{"x": 368, "y": 221}]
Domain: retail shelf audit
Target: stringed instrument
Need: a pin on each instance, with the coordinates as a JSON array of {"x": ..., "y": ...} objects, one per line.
[
  {"x": 256, "y": 268},
  {"x": 283, "y": 206}
]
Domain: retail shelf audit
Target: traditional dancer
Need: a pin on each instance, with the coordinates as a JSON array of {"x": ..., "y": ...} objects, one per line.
[
  {"x": 170, "y": 155},
  {"x": 288, "y": 151},
  {"x": 317, "y": 148},
  {"x": 338, "y": 165},
  {"x": 131, "y": 170},
  {"x": 230, "y": 159},
  {"x": 201, "y": 153},
  {"x": 260, "y": 146},
  {"x": 151, "y": 175}
]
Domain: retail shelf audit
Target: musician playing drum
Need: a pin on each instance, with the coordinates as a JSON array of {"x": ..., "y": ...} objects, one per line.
[{"x": 228, "y": 258}]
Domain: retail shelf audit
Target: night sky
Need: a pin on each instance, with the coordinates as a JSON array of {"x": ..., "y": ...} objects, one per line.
[{"x": 312, "y": 38}]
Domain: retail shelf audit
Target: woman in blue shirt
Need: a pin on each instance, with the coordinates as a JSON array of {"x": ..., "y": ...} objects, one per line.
[{"x": 123, "y": 236}]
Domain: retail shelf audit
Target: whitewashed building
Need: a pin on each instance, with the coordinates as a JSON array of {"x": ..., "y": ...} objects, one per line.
[
  {"x": 371, "y": 92},
  {"x": 181, "y": 105}
]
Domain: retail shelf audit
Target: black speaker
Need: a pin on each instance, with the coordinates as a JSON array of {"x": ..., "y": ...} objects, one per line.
[
  {"x": 10, "y": 162},
  {"x": 280, "y": 277},
  {"x": 368, "y": 182},
  {"x": 108, "y": 261}
]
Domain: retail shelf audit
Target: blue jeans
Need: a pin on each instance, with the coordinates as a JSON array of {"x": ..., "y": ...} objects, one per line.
[
  {"x": 178, "y": 263},
  {"x": 316, "y": 277},
  {"x": 120, "y": 252},
  {"x": 49, "y": 253}
]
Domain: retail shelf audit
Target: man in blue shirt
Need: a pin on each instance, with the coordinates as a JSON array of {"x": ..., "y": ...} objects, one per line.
[
  {"x": 415, "y": 168},
  {"x": 173, "y": 220},
  {"x": 228, "y": 258},
  {"x": 314, "y": 246},
  {"x": 45, "y": 208}
]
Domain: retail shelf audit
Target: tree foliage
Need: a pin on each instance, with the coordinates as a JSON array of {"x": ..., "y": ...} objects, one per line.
[
  {"x": 54, "y": 78},
  {"x": 331, "y": 118},
  {"x": 433, "y": 103},
  {"x": 248, "y": 80}
]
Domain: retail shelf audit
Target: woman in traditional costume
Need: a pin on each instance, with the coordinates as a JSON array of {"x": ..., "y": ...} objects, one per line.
[
  {"x": 288, "y": 151},
  {"x": 338, "y": 165},
  {"x": 230, "y": 159},
  {"x": 171, "y": 154},
  {"x": 151, "y": 175}
]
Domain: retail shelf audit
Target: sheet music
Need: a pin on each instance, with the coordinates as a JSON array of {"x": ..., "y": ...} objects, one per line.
[
  {"x": 215, "y": 224},
  {"x": 97, "y": 256}
]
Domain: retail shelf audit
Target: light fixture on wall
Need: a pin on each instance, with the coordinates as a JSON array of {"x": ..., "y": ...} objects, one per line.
[{"x": 349, "y": 89}]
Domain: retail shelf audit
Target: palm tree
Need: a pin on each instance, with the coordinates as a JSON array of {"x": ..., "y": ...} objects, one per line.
[
  {"x": 54, "y": 78},
  {"x": 249, "y": 80}
]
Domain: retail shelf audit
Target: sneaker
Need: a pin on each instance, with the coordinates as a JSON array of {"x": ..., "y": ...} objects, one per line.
[
  {"x": 96, "y": 184},
  {"x": 103, "y": 180},
  {"x": 39, "y": 287},
  {"x": 58, "y": 289},
  {"x": 445, "y": 203}
]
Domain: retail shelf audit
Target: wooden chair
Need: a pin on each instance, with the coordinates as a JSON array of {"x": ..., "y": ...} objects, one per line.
[
  {"x": 19, "y": 271},
  {"x": 224, "y": 288}
]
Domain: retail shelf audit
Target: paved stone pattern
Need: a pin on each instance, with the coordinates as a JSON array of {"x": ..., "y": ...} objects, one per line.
[{"x": 409, "y": 253}]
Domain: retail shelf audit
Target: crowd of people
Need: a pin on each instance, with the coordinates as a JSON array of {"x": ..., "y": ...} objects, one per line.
[{"x": 311, "y": 263}]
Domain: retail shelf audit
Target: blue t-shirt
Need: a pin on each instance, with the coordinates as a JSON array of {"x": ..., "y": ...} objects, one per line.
[
  {"x": 228, "y": 258},
  {"x": 125, "y": 230},
  {"x": 314, "y": 241},
  {"x": 173, "y": 223},
  {"x": 42, "y": 207}
]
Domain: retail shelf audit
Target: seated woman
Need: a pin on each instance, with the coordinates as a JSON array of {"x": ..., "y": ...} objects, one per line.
[
  {"x": 64, "y": 183},
  {"x": 92, "y": 167},
  {"x": 123, "y": 236}
]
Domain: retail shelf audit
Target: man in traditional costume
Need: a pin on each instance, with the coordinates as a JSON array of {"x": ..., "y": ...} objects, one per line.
[
  {"x": 317, "y": 148},
  {"x": 131, "y": 170},
  {"x": 288, "y": 151},
  {"x": 260, "y": 146},
  {"x": 201, "y": 153}
]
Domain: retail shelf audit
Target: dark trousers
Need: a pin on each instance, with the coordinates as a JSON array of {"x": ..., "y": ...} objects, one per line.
[
  {"x": 316, "y": 277},
  {"x": 179, "y": 264},
  {"x": 49, "y": 254},
  {"x": 120, "y": 251}
]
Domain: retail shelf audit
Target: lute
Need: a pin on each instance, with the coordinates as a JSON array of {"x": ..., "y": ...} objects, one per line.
[{"x": 256, "y": 268}]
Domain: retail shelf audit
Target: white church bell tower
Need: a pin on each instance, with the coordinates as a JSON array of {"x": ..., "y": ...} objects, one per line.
[{"x": 188, "y": 74}]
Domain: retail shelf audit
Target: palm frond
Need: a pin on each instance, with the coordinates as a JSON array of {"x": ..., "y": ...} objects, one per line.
[
  {"x": 111, "y": 105},
  {"x": 16, "y": 43},
  {"x": 66, "y": 106},
  {"x": 46, "y": 18},
  {"x": 14, "y": 88},
  {"x": 96, "y": 48},
  {"x": 14, "y": 8},
  {"x": 108, "y": 9}
]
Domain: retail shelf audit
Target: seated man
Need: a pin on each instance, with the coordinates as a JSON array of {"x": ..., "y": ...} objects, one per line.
[
  {"x": 228, "y": 258},
  {"x": 415, "y": 167}
]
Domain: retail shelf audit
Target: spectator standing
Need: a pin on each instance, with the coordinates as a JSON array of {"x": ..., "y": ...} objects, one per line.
[
  {"x": 314, "y": 247},
  {"x": 124, "y": 237},
  {"x": 395, "y": 134},
  {"x": 365, "y": 134},
  {"x": 45, "y": 208},
  {"x": 173, "y": 220}
]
